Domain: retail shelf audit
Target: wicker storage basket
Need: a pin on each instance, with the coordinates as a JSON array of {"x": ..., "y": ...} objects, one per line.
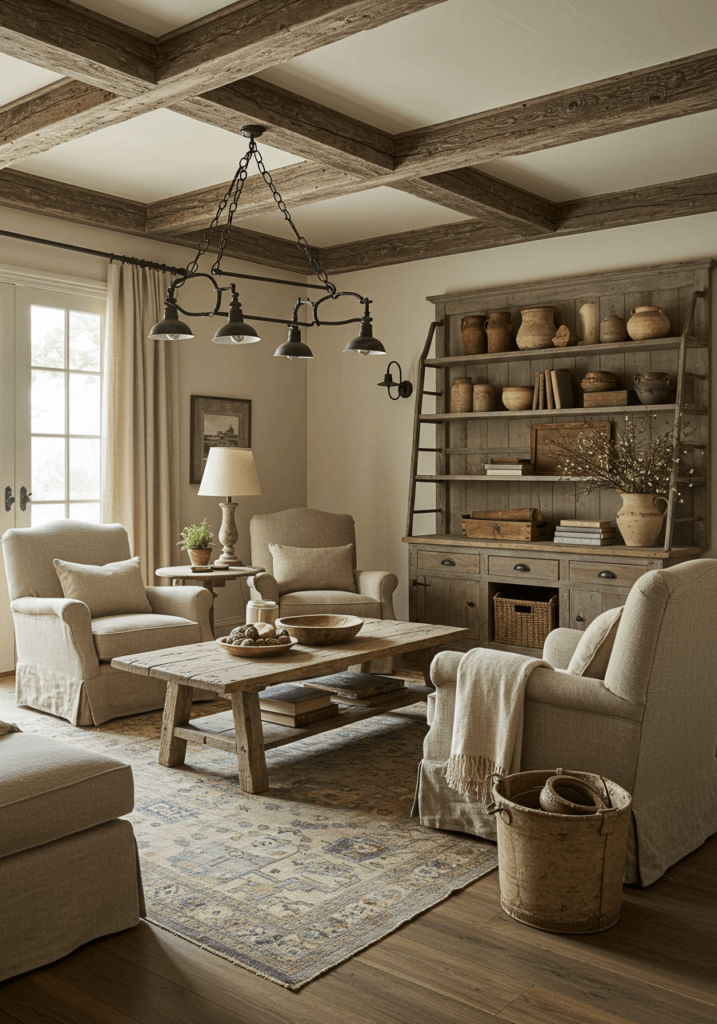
[{"x": 524, "y": 620}]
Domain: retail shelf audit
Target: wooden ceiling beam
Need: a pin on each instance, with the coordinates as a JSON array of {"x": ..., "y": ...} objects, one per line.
[
  {"x": 296, "y": 125},
  {"x": 481, "y": 196},
  {"x": 675, "y": 89},
  {"x": 298, "y": 184},
  {"x": 683, "y": 198},
  {"x": 22, "y": 191},
  {"x": 73, "y": 41}
]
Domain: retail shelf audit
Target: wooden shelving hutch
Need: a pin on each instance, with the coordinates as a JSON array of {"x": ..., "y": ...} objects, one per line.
[{"x": 453, "y": 579}]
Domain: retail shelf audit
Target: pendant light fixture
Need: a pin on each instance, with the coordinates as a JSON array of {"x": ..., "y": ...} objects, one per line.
[{"x": 237, "y": 331}]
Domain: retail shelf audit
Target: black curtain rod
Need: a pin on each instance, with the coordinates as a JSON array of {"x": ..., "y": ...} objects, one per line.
[{"x": 134, "y": 261}]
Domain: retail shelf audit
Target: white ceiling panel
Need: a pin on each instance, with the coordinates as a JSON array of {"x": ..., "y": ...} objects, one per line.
[
  {"x": 681, "y": 148},
  {"x": 154, "y": 17},
  {"x": 18, "y": 78},
  {"x": 379, "y": 211},
  {"x": 155, "y": 155},
  {"x": 463, "y": 56}
]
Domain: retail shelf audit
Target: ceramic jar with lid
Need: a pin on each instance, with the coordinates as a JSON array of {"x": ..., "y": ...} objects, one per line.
[
  {"x": 462, "y": 394},
  {"x": 262, "y": 611},
  {"x": 537, "y": 329},
  {"x": 647, "y": 322}
]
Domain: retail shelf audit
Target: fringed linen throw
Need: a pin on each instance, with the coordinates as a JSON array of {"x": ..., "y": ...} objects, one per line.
[{"x": 488, "y": 722}]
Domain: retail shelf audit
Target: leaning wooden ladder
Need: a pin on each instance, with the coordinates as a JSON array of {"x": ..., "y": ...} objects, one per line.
[{"x": 417, "y": 421}]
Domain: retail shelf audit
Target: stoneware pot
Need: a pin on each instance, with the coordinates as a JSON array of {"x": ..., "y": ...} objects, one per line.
[
  {"x": 498, "y": 329},
  {"x": 613, "y": 328},
  {"x": 483, "y": 398},
  {"x": 200, "y": 556},
  {"x": 537, "y": 329},
  {"x": 562, "y": 794},
  {"x": 652, "y": 388},
  {"x": 518, "y": 397},
  {"x": 473, "y": 335},
  {"x": 462, "y": 394},
  {"x": 589, "y": 320},
  {"x": 647, "y": 322},
  {"x": 598, "y": 380},
  {"x": 564, "y": 337},
  {"x": 640, "y": 520}
]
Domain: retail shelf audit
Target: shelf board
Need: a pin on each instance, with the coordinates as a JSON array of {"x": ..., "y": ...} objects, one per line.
[
  {"x": 652, "y": 345},
  {"x": 608, "y": 410},
  {"x": 482, "y": 478},
  {"x": 458, "y": 540}
]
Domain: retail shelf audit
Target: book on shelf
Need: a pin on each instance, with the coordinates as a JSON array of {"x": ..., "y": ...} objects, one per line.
[
  {"x": 595, "y": 524},
  {"x": 587, "y": 534},
  {"x": 536, "y": 389},
  {"x": 355, "y": 685},
  {"x": 369, "y": 702},
  {"x": 524, "y": 470},
  {"x": 549, "y": 397},
  {"x": 562, "y": 389},
  {"x": 291, "y": 699},
  {"x": 541, "y": 392},
  {"x": 586, "y": 530},
  {"x": 508, "y": 462},
  {"x": 593, "y": 541},
  {"x": 303, "y": 719}
]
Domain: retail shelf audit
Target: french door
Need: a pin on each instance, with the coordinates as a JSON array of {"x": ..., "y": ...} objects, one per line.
[{"x": 50, "y": 415}]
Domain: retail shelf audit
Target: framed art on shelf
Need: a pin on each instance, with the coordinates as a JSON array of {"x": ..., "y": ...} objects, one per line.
[
  {"x": 216, "y": 423},
  {"x": 547, "y": 461}
]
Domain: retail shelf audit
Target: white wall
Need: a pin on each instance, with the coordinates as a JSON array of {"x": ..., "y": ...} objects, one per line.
[
  {"x": 359, "y": 442},
  {"x": 276, "y": 387}
]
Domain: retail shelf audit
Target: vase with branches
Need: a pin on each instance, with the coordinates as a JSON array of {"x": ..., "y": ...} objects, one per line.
[{"x": 635, "y": 463}]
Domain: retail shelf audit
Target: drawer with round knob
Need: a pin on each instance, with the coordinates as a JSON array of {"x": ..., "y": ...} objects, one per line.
[
  {"x": 524, "y": 569},
  {"x": 449, "y": 561},
  {"x": 607, "y": 573}
]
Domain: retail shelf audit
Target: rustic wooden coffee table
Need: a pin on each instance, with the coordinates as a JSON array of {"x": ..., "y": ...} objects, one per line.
[{"x": 241, "y": 730}]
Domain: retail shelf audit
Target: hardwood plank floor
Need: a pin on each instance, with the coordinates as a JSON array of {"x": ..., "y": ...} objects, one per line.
[{"x": 462, "y": 961}]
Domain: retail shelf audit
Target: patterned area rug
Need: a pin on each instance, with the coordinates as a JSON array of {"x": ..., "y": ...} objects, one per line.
[{"x": 293, "y": 881}]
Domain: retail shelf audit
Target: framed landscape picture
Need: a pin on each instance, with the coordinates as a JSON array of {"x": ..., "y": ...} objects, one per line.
[{"x": 216, "y": 423}]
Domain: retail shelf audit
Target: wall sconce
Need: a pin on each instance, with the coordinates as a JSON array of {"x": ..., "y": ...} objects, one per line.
[{"x": 405, "y": 388}]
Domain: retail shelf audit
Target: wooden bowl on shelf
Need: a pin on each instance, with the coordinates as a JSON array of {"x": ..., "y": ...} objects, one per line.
[
  {"x": 518, "y": 397},
  {"x": 321, "y": 630}
]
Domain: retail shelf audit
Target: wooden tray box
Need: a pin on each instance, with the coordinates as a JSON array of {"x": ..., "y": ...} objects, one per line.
[{"x": 486, "y": 529}]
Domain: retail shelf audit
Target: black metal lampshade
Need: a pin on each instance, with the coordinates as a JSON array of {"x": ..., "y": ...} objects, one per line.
[
  {"x": 365, "y": 344},
  {"x": 235, "y": 331},
  {"x": 171, "y": 328},
  {"x": 293, "y": 347}
]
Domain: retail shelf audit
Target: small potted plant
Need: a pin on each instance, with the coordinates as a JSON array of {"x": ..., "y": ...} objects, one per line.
[{"x": 197, "y": 540}]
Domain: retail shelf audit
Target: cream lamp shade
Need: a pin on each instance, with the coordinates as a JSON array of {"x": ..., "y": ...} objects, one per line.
[{"x": 229, "y": 471}]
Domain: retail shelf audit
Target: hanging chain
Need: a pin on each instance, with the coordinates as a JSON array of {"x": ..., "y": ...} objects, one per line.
[{"x": 231, "y": 199}]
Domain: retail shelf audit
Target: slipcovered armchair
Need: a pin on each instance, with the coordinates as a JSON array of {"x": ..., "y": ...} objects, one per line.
[
  {"x": 63, "y": 654},
  {"x": 650, "y": 725},
  {"x": 350, "y": 591}
]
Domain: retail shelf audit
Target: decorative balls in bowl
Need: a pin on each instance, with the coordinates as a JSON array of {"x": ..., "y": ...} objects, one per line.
[{"x": 518, "y": 397}]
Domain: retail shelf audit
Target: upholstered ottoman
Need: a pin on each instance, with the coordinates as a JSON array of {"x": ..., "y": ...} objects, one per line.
[{"x": 69, "y": 870}]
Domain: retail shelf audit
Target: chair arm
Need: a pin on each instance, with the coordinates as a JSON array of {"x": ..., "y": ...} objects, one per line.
[
  {"x": 578, "y": 693},
  {"x": 192, "y": 603},
  {"x": 444, "y": 667},
  {"x": 378, "y": 585},
  {"x": 560, "y": 645},
  {"x": 266, "y": 586},
  {"x": 55, "y": 633}
]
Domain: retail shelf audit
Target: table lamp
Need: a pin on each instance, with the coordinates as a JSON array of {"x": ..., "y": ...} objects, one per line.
[{"x": 229, "y": 471}]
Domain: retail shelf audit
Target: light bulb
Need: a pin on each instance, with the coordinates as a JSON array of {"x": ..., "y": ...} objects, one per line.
[
  {"x": 173, "y": 337},
  {"x": 363, "y": 352},
  {"x": 238, "y": 338}
]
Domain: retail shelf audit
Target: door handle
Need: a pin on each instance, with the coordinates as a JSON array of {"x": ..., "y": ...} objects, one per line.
[
  {"x": 579, "y": 618},
  {"x": 607, "y": 574},
  {"x": 9, "y": 499},
  {"x": 448, "y": 561},
  {"x": 25, "y": 498},
  {"x": 471, "y": 604},
  {"x": 521, "y": 567}
]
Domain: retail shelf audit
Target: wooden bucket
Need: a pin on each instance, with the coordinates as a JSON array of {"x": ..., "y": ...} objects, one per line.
[{"x": 560, "y": 872}]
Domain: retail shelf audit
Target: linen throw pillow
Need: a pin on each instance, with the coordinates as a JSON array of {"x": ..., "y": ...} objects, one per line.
[
  {"x": 313, "y": 568},
  {"x": 592, "y": 654},
  {"x": 113, "y": 589}
]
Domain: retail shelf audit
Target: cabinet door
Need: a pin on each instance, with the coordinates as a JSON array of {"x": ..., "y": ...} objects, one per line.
[
  {"x": 446, "y": 602},
  {"x": 586, "y": 605}
]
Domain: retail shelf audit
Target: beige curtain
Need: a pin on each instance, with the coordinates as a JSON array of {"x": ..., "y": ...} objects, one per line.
[{"x": 141, "y": 419}]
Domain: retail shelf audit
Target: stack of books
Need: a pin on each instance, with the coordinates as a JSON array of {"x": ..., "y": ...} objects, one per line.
[
  {"x": 292, "y": 705},
  {"x": 597, "y": 532},
  {"x": 509, "y": 467},
  {"x": 358, "y": 689},
  {"x": 553, "y": 390}
]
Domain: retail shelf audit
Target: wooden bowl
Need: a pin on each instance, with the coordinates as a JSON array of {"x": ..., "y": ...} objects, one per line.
[
  {"x": 518, "y": 397},
  {"x": 254, "y": 652},
  {"x": 320, "y": 630}
]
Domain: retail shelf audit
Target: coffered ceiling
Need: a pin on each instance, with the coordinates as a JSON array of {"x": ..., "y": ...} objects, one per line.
[{"x": 396, "y": 129}]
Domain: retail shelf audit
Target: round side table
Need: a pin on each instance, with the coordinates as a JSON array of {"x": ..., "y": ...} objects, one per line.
[{"x": 208, "y": 578}]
